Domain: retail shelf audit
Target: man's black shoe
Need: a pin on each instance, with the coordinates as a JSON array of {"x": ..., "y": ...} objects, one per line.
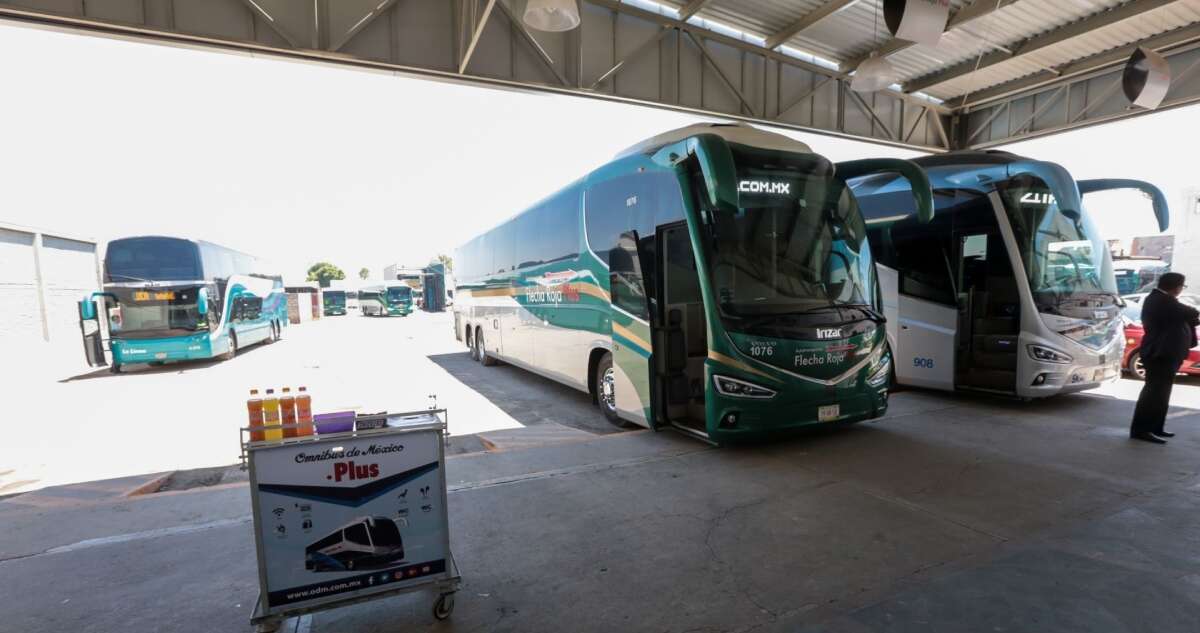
[
  {"x": 1147, "y": 437},
  {"x": 1162, "y": 434}
]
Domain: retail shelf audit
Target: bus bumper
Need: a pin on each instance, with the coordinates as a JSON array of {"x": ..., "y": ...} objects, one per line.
[
  {"x": 733, "y": 419},
  {"x": 127, "y": 351}
]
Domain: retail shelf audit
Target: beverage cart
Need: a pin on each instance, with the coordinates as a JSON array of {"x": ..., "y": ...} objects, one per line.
[{"x": 343, "y": 518}]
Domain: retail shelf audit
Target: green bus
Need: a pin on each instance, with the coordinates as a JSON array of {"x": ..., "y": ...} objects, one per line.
[
  {"x": 716, "y": 279},
  {"x": 334, "y": 302},
  {"x": 393, "y": 299}
]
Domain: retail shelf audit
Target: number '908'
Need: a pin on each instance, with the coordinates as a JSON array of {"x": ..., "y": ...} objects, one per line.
[{"x": 923, "y": 363}]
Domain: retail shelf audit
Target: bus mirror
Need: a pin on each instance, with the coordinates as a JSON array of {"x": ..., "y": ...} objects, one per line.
[
  {"x": 917, "y": 179},
  {"x": 1063, "y": 188},
  {"x": 1162, "y": 211},
  {"x": 87, "y": 310},
  {"x": 202, "y": 301}
]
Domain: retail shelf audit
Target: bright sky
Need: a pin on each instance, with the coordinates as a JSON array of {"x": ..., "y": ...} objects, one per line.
[
  {"x": 1157, "y": 148},
  {"x": 301, "y": 162},
  {"x": 291, "y": 161}
]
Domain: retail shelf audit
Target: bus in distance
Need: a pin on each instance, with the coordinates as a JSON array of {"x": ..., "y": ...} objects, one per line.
[
  {"x": 394, "y": 299},
  {"x": 334, "y": 302},
  {"x": 716, "y": 279},
  {"x": 169, "y": 299},
  {"x": 1010, "y": 289}
]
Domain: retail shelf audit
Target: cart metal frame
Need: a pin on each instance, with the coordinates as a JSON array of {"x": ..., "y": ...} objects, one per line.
[{"x": 267, "y": 620}]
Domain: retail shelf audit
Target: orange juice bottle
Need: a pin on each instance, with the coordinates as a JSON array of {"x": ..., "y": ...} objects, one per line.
[
  {"x": 304, "y": 413},
  {"x": 271, "y": 417},
  {"x": 255, "y": 406},
  {"x": 287, "y": 406}
]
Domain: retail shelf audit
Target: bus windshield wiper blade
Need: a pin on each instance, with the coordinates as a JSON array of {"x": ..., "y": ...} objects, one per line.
[
  {"x": 130, "y": 278},
  {"x": 870, "y": 311}
]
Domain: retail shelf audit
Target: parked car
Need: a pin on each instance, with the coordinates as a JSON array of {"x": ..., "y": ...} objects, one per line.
[{"x": 1132, "y": 314}]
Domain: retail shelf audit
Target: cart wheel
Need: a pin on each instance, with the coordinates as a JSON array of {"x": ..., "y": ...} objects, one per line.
[
  {"x": 267, "y": 626},
  {"x": 444, "y": 606}
]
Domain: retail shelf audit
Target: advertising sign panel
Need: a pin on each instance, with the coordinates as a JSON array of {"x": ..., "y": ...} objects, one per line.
[{"x": 347, "y": 517}]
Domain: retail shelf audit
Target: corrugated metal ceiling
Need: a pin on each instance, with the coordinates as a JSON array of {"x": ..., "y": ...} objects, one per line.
[{"x": 858, "y": 29}]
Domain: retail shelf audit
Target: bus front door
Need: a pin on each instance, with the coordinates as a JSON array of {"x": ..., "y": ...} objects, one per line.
[
  {"x": 92, "y": 327},
  {"x": 632, "y": 351}
]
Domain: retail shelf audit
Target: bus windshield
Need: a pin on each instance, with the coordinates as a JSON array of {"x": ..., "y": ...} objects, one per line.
[
  {"x": 156, "y": 311},
  {"x": 398, "y": 293},
  {"x": 333, "y": 298},
  {"x": 141, "y": 259},
  {"x": 796, "y": 243},
  {"x": 1068, "y": 265}
]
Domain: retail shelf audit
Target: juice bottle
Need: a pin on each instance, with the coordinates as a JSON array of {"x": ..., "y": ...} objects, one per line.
[
  {"x": 255, "y": 406},
  {"x": 304, "y": 413},
  {"x": 271, "y": 417},
  {"x": 287, "y": 412}
]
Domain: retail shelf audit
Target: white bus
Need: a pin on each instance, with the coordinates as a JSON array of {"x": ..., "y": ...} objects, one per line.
[
  {"x": 364, "y": 543},
  {"x": 1010, "y": 289}
]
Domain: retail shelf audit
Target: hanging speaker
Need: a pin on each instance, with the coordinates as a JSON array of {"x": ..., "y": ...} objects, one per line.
[
  {"x": 552, "y": 15},
  {"x": 1147, "y": 78},
  {"x": 920, "y": 21},
  {"x": 874, "y": 74}
]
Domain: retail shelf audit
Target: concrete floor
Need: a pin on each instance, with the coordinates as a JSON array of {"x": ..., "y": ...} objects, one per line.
[
  {"x": 954, "y": 514},
  {"x": 97, "y": 425}
]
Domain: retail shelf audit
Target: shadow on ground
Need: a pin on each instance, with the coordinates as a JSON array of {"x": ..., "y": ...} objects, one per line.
[{"x": 527, "y": 397}]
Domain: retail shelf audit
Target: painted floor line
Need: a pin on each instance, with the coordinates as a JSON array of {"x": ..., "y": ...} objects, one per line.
[{"x": 135, "y": 536}]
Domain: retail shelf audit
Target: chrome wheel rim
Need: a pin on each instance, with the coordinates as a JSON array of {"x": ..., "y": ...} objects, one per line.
[{"x": 608, "y": 389}]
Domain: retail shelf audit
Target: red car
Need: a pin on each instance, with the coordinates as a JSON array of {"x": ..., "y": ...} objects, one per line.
[{"x": 1132, "y": 362}]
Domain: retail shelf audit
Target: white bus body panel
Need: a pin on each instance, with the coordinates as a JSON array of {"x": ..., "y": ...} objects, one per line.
[{"x": 925, "y": 347}]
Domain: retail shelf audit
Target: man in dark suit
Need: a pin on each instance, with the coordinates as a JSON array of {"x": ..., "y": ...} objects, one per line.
[{"x": 1170, "y": 332}]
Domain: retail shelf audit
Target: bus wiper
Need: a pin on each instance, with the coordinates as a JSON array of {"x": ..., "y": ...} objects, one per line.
[
  {"x": 869, "y": 310},
  {"x": 131, "y": 278}
]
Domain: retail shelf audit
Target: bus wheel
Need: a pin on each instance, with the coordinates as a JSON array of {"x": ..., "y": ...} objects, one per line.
[
  {"x": 115, "y": 368},
  {"x": 606, "y": 391},
  {"x": 232, "y": 347},
  {"x": 481, "y": 354}
]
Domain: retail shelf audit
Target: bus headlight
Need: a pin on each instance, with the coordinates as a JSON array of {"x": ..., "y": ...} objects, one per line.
[
  {"x": 727, "y": 386},
  {"x": 882, "y": 374},
  {"x": 1047, "y": 355}
]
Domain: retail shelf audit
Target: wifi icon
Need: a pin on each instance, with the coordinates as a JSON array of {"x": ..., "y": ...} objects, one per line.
[{"x": 278, "y": 512}]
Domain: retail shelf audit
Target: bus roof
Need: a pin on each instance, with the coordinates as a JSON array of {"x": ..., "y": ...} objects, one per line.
[{"x": 739, "y": 133}]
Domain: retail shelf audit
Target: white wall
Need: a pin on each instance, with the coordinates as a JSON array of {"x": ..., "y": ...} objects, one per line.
[
  {"x": 1185, "y": 220},
  {"x": 68, "y": 272}
]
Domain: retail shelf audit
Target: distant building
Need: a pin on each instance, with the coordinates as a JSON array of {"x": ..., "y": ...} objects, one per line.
[
  {"x": 1185, "y": 223},
  {"x": 43, "y": 274},
  {"x": 430, "y": 278},
  {"x": 1157, "y": 246}
]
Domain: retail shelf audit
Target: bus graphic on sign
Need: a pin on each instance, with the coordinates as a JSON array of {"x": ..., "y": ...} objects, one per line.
[{"x": 365, "y": 543}]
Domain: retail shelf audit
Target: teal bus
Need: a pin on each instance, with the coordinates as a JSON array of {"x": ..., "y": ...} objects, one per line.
[
  {"x": 716, "y": 279},
  {"x": 334, "y": 302},
  {"x": 171, "y": 299},
  {"x": 394, "y": 299}
]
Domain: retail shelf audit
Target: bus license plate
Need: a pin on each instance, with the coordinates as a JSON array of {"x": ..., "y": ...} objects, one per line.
[{"x": 829, "y": 413}]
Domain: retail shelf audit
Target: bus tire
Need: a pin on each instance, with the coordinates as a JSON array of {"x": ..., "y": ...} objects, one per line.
[
  {"x": 606, "y": 397},
  {"x": 233, "y": 348},
  {"x": 115, "y": 368},
  {"x": 484, "y": 358}
]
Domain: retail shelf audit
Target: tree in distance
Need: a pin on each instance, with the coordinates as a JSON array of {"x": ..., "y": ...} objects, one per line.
[
  {"x": 364, "y": 273},
  {"x": 446, "y": 261},
  {"x": 324, "y": 272}
]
